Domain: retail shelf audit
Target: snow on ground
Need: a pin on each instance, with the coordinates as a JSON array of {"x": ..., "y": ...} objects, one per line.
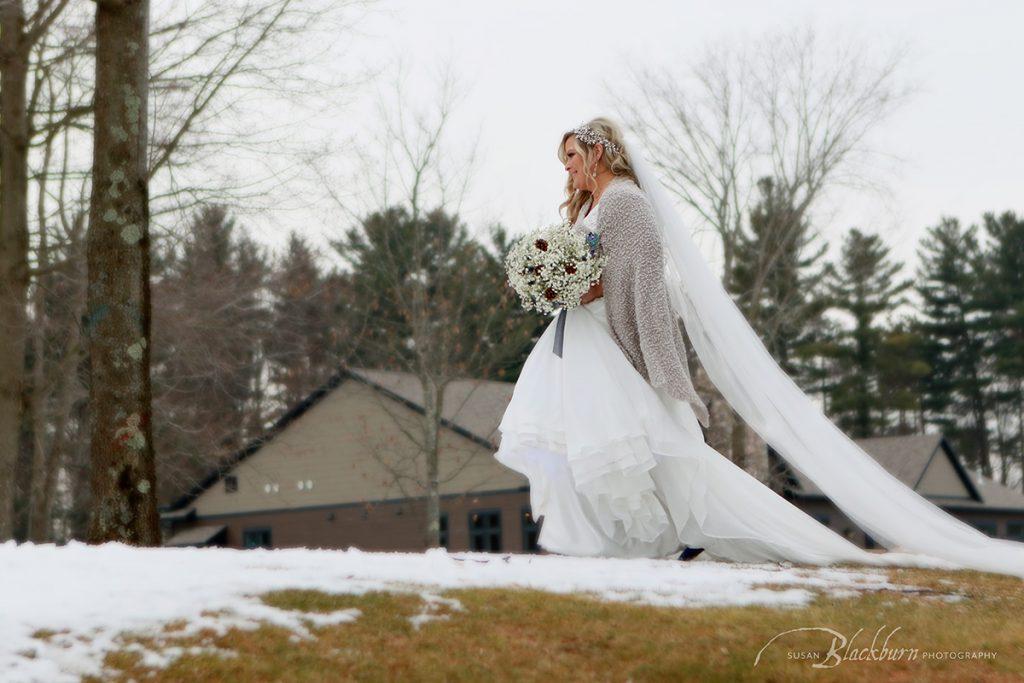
[{"x": 87, "y": 595}]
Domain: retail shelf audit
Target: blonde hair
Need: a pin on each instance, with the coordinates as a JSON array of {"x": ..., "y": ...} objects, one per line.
[{"x": 616, "y": 161}]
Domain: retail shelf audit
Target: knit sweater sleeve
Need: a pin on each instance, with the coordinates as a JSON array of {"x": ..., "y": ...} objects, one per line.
[{"x": 639, "y": 312}]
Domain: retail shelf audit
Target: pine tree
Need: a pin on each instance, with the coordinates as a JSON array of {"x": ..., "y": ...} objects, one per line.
[
  {"x": 428, "y": 270},
  {"x": 955, "y": 390},
  {"x": 210, "y": 319},
  {"x": 436, "y": 307},
  {"x": 776, "y": 283},
  {"x": 865, "y": 287},
  {"x": 902, "y": 366},
  {"x": 1002, "y": 277},
  {"x": 775, "y": 278},
  {"x": 299, "y": 348}
]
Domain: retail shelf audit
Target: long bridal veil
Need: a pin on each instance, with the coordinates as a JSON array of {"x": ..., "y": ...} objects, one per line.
[{"x": 778, "y": 410}]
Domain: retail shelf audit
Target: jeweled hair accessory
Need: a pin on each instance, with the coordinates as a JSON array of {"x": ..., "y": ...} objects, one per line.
[{"x": 592, "y": 137}]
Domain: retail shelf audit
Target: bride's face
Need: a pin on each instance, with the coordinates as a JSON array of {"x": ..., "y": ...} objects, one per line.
[{"x": 574, "y": 165}]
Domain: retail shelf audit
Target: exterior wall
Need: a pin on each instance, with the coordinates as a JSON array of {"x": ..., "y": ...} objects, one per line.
[
  {"x": 985, "y": 521},
  {"x": 941, "y": 479},
  {"x": 381, "y": 526},
  {"x": 341, "y": 444},
  {"x": 829, "y": 515},
  {"x": 996, "y": 524},
  {"x": 338, "y": 446},
  {"x": 399, "y": 525}
]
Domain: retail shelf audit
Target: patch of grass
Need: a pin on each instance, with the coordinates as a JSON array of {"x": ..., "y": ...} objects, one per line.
[
  {"x": 46, "y": 634},
  {"x": 525, "y": 635}
]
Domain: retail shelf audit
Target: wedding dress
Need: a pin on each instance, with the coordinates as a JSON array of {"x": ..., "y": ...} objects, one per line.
[{"x": 618, "y": 468}]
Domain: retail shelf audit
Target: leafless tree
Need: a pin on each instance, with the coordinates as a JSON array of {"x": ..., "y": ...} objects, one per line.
[
  {"x": 427, "y": 277},
  {"x": 21, "y": 28},
  {"x": 58, "y": 297},
  {"x": 784, "y": 107},
  {"x": 213, "y": 69},
  {"x": 216, "y": 74}
]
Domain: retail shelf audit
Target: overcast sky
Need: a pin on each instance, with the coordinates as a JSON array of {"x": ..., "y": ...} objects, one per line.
[{"x": 533, "y": 69}]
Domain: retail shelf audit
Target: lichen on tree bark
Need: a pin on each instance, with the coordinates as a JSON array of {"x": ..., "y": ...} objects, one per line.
[{"x": 118, "y": 312}]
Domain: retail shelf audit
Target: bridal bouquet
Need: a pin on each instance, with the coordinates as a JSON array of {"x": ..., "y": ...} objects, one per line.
[{"x": 554, "y": 266}]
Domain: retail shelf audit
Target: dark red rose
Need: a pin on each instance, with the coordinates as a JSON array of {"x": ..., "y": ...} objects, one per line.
[
  {"x": 570, "y": 268},
  {"x": 550, "y": 294},
  {"x": 541, "y": 244}
]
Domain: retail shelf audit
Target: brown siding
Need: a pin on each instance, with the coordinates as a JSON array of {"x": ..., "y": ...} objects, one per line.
[
  {"x": 393, "y": 525},
  {"x": 338, "y": 446},
  {"x": 842, "y": 524},
  {"x": 399, "y": 525}
]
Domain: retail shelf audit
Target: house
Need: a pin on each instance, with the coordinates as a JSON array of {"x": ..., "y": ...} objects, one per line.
[
  {"x": 340, "y": 469},
  {"x": 928, "y": 464}
]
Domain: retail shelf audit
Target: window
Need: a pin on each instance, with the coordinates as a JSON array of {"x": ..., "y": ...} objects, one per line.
[
  {"x": 1015, "y": 531},
  {"x": 823, "y": 518},
  {"x": 986, "y": 526},
  {"x": 256, "y": 538},
  {"x": 869, "y": 542},
  {"x": 531, "y": 530},
  {"x": 230, "y": 484},
  {"x": 444, "y": 529},
  {"x": 485, "y": 530}
]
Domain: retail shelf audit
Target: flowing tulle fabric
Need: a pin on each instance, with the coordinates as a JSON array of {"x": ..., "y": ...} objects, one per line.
[
  {"x": 618, "y": 468},
  {"x": 775, "y": 407}
]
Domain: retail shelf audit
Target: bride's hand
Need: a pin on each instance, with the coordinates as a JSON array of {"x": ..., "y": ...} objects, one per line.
[{"x": 596, "y": 290}]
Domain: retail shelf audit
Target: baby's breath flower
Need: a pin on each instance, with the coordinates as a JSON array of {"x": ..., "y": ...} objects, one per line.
[{"x": 554, "y": 266}]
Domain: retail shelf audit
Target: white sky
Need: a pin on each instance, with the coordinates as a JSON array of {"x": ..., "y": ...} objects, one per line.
[{"x": 535, "y": 68}]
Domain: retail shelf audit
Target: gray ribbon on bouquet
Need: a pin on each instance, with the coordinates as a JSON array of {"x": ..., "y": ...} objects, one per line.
[{"x": 559, "y": 332}]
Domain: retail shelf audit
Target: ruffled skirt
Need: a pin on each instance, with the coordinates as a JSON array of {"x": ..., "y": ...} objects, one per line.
[{"x": 618, "y": 468}]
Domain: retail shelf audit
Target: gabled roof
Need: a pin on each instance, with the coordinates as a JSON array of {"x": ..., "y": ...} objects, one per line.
[
  {"x": 472, "y": 409},
  {"x": 907, "y": 458},
  {"x": 994, "y": 496},
  {"x": 475, "y": 405}
]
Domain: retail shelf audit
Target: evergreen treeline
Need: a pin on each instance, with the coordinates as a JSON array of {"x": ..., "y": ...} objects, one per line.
[
  {"x": 890, "y": 351},
  {"x": 240, "y": 335}
]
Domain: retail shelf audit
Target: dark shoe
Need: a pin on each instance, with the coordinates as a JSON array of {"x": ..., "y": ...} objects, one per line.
[{"x": 690, "y": 553}]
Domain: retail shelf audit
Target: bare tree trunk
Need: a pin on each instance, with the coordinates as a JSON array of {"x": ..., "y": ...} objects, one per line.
[
  {"x": 1020, "y": 431},
  {"x": 43, "y": 506},
  {"x": 433, "y": 406},
  {"x": 13, "y": 246},
  {"x": 118, "y": 312},
  {"x": 738, "y": 441},
  {"x": 38, "y": 513},
  {"x": 45, "y": 480},
  {"x": 37, "y": 415}
]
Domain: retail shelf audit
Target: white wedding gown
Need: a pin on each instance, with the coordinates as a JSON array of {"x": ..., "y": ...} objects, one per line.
[{"x": 618, "y": 468}]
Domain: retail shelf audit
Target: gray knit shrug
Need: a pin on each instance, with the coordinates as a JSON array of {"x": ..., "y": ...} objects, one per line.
[{"x": 640, "y": 315}]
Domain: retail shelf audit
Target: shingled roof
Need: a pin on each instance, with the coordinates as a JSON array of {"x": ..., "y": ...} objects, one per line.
[
  {"x": 473, "y": 404},
  {"x": 472, "y": 408},
  {"x": 907, "y": 458}
]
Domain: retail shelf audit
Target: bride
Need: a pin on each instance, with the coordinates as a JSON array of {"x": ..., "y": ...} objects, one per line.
[{"x": 605, "y": 423}]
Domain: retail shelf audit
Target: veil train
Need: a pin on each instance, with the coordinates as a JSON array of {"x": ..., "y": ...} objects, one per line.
[{"x": 778, "y": 410}]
